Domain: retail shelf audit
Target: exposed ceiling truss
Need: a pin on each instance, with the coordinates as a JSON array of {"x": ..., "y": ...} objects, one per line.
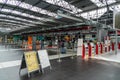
[{"x": 16, "y": 15}]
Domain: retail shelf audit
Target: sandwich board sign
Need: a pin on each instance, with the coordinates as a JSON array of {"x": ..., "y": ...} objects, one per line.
[
  {"x": 31, "y": 61},
  {"x": 44, "y": 60}
]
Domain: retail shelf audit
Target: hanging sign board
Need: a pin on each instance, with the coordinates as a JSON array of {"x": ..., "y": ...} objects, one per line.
[
  {"x": 31, "y": 61},
  {"x": 44, "y": 60},
  {"x": 79, "y": 47}
]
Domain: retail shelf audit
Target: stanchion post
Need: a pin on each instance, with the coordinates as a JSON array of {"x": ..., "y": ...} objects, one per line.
[
  {"x": 105, "y": 48},
  {"x": 101, "y": 48},
  {"x": 113, "y": 48},
  {"x": 96, "y": 49},
  {"x": 89, "y": 50},
  {"x": 109, "y": 48},
  {"x": 72, "y": 57},
  {"x": 119, "y": 45},
  {"x": 83, "y": 51},
  {"x": 59, "y": 58}
]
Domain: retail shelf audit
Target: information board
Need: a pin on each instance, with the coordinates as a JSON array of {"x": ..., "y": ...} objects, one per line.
[
  {"x": 44, "y": 60},
  {"x": 79, "y": 47},
  {"x": 31, "y": 61}
]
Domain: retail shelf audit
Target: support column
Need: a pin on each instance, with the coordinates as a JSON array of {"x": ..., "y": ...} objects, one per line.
[
  {"x": 34, "y": 43},
  {"x": 116, "y": 42},
  {"x": 5, "y": 38}
]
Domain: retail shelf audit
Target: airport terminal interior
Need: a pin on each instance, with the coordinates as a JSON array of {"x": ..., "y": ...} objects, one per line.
[{"x": 59, "y": 39}]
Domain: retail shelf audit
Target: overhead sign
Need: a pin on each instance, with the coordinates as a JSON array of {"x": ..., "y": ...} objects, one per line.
[
  {"x": 31, "y": 61},
  {"x": 44, "y": 60}
]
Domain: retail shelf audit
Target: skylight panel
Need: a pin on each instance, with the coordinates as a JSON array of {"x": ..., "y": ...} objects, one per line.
[
  {"x": 13, "y": 2},
  {"x": 111, "y": 1},
  {"x": 98, "y": 3},
  {"x": 94, "y": 14},
  {"x": 115, "y": 7},
  {"x": 84, "y": 15},
  {"x": 28, "y": 6},
  {"x": 3, "y": 1},
  {"x": 65, "y": 5},
  {"x": 103, "y": 2},
  {"x": 36, "y": 9},
  {"x": 25, "y": 5}
]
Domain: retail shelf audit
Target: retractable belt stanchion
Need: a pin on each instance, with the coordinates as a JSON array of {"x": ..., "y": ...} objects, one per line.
[
  {"x": 89, "y": 50},
  {"x": 101, "y": 48},
  {"x": 109, "y": 47},
  {"x": 97, "y": 48},
  {"x": 113, "y": 48},
  {"x": 119, "y": 45},
  {"x": 105, "y": 48},
  {"x": 83, "y": 51}
]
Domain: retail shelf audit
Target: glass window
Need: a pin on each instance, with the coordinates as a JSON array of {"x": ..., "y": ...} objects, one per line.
[
  {"x": 100, "y": 3},
  {"x": 115, "y": 7},
  {"x": 94, "y": 14},
  {"x": 28, "y": 6},
  {"x": 65, "y": 5}
]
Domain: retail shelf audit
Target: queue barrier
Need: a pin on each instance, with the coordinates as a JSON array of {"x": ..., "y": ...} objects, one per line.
[
  {"x": 97, "y": 48},
  {"x": 108, "y": 47},
  {"x": 87, "y": 51},
  {"x": 101, "y": 48},
  {"x": 119, "y": 45},
  {"x": 83, "y": 51},
  {"x": 113, "y": 46}
]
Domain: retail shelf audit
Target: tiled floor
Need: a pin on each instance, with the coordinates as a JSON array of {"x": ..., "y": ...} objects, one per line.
[
  {"x": 68, "y": 69},
  {"x": 110, "y": 56}
]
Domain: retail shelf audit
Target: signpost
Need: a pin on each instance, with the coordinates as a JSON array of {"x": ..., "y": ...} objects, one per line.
[{"x": 44, "y": 60}]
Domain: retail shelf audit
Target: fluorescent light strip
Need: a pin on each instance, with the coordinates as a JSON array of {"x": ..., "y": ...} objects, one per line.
[
  {"x": 27, "y": 15},
  {"x": 13, "y": 24},
  {"x": 22, "y": 27},
  {"x": 65, "y": 5},
  {"x": 17, "y": 22},
  {"x": 22, "y": 14},
  {"x": 28, "y": 6},
  {"x": 17, "y": 18},
  {"x": 103, "y": 2}
]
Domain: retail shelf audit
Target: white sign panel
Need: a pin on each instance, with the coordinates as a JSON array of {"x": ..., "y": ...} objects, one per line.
[
  {"x": 79, "y": 47},
  {"x": 43, "y": 57}
]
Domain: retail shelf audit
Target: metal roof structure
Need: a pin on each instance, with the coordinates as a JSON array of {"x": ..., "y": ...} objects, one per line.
[{"x": 21, "y": 15}]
